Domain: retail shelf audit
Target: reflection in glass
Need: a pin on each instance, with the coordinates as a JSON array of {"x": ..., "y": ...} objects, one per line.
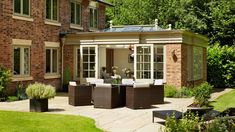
[
  {"x": 48, "y": 60},
  {"x": 26, "y": 61},
  {"x": 55, "y": 60},
  {"x": 17, "y": 61},
  {"x": 26, "y": 7}
]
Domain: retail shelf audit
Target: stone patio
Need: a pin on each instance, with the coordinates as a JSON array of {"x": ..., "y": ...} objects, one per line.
[
  {"x": 114, "y": 120},
  {"x": 118, "y": 119}
]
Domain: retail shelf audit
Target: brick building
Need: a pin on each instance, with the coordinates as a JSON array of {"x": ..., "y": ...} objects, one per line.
[
  {"x": 176, "y": 57},
  {"x": 30, "y": 40},
  {"x": 48, "y": 40}
]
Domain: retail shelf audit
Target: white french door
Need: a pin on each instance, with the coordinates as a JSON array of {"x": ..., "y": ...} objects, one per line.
[
  {"x": 88, "y": 62},
  {"x": 143, "y": 62}
]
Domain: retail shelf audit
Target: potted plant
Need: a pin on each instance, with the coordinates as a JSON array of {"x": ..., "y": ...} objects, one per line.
[
  {"x": 39, "y": 94},
  {"x": 202, "y": 94}
]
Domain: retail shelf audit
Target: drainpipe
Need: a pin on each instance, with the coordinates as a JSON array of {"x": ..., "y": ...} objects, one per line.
[{"x": 62, "y": 38}]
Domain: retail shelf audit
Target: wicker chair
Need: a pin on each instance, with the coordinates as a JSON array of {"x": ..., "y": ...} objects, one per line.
[
  {"x": 138, "y": 96},
  {"x": 105, "y": 96},
  {"x": 157, "y": 92},
  {"x": 79, "y": 95}
]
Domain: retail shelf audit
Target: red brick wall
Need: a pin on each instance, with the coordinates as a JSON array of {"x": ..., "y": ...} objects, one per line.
[
  {"x": 173, "y": 64},
  {"x": 38, "y": 32}
]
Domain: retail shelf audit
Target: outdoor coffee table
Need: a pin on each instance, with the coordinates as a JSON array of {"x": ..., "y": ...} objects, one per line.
[{"x": 163, "y": 114}]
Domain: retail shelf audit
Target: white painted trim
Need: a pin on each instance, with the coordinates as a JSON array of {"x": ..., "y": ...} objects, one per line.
[
  {"x": 21, "y": 78},
  {"x": 52, "y": 44},
  {"x": 164, "y": 63},
  {"x": 96, "y": 60},
  {"x": 151, "y": 63},
  {"x": 21, "y": 42},
  {"x": 53, "y": 23},
  {"x": 22, "y": 17},
  {"x": 74, "y": 26},
  {"x": 93, "y": 4},
  {"x": 52, "y": 76}
]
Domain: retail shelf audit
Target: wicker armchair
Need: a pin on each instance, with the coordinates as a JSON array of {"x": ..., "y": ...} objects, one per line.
[
  {"x": 105, "y": 96},
  {"x": 138, "y": 96},
  {"x": 79, "y": 95},
  {"x": 157, "y": 92}
]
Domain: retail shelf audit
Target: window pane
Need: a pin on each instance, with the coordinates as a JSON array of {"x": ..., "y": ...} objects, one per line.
[
  {"x": 91, "y": 18},
  {"x": 95, "y": 18},
  {"x": 48, "y": 9},
  {"x": 92, "y": 50},
  {"x": 72, "y": 13},
  {"x": 92, "y": 74},
  {"x": 55, "y": 9},
  {"x": 78, "y": 14},
  {"x": 16, "y": 61},
  {"x": 48, "y": 60},
  {"x": 26, "y": 61},
  {"x": 92, "y": 58},
  {"x": 17, "y": 6},
  {"x": 26, "y": 7},
  {"x": 55, "y": 60}
]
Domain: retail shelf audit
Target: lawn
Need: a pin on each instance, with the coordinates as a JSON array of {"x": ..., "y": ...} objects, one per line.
[
  {"x": 40, "y": 122},
  {"x": 225, "y": 101}
]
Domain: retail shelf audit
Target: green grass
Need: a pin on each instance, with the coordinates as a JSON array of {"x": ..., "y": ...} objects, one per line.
[
  {"x": 40, "y": 122},
  {"x": 225, "y": 101}
]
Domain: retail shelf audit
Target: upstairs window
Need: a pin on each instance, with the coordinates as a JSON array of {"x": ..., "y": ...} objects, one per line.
[
  {"x": 22, "y": 7},
  {"x": 93, "y": 18},
  {"x": 75, "y": 13},
  {"x": 52, "y": 10}
]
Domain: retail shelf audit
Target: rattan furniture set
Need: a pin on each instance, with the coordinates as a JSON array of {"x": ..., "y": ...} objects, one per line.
[{"x": 108, "y": 96}]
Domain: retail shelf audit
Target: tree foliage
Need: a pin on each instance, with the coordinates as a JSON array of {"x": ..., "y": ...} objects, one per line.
[
  {"x": 214, "y": 18},
  {"x": 221, "y": 66}
]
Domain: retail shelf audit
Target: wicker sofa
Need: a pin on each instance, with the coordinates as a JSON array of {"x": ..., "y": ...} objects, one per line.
[{"x": 157, "y": 94}]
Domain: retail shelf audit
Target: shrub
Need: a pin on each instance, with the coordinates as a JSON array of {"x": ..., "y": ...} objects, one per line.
[
  {"x": 193, "y": 123},
  {"x": 202, "y": 94},
  {"x": 40, "y": 91},
  {"x": 20, "y": 89},
  {"x": 221, "y": 66},
  {"x": 188, "y": 123},
  {"x": 170, "y": 91},
  {"x": 222, "y": 124},
  {"x": 12, "y": 98},
  {"x": 186, "y": 92},
  {"x": 4, "y": 79}
]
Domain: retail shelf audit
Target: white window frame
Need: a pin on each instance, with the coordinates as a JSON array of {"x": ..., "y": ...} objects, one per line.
[
  {"x": 22, "y": 60},
  {"x": 75, "y": 9},
  {"x": 93, "y": 12},
  {"x": 51, "y": 60},
  {"x": 51, "y": 19},
  {"x": 164, "y": 61},
  {"x": 21, "y": 8},
  {"x": 96, "y": 60},
  {"x": 150, "y": 80}
]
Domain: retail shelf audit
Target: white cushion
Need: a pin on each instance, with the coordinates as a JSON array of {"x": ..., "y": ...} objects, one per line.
[
  {"x": 158, "y": 82},
  {"x": 104, "y": 85},
  {"x": 141, "y": 85},
  {"x": 94, "y": 80},
  {"x": 72, "y": 83},
  {"x": 127, "y": 81}
]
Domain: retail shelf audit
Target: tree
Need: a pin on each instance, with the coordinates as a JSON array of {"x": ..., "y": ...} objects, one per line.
[{"x": 213, "y": 18}]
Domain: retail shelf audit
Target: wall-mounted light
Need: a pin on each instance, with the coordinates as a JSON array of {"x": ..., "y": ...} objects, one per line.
[
  {"x": 131, "y": 47},
  {"x": 173, "y": 53}
]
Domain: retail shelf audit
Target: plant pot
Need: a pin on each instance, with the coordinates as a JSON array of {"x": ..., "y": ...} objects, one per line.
[
  {"x": 38, "y": 105},
  {"x": 65, "y": 88}
]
